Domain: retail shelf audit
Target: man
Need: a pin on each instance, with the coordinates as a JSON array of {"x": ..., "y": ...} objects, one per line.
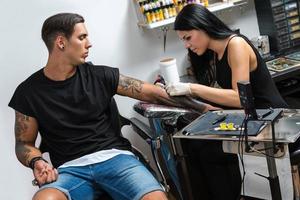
[{"x": 67, "y": 102}]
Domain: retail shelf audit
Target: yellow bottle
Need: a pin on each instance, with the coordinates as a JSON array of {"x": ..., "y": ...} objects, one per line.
[
  {"x": 174, "y": 10},
  {"x": 153, "y": 17},
  {"x": 141, "y": 7},
  {"x": 161, "y": 14},
  {"x": 206, "y": 3},
  {"x": 157, "y": 16},
  {"x": 180, "y": 6},
  {"x": 170, "y": 10},
  {"x": 148, "y": 17}
]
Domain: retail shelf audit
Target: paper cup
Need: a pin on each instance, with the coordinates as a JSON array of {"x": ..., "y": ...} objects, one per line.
[{"x": 168, "y": 69}]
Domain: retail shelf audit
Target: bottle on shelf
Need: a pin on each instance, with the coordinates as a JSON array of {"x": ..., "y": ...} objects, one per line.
[
  {"x": 170, "y": 11},
  {"x": 159, "y": 10},
  {"x": 205, "y": 3},
  {"x": 174, "y": 10},
  {"x": 166, "y": 12},
  {"x": 161, "y": 14},
  {"x": 153, "y": 16},
  {"x": 179, "y": 6}
]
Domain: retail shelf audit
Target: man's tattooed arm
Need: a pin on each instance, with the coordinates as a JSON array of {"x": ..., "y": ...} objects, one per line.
[
  {"x": 148, "y": 92},
  {"x": 130, "y": 85},
  {"x": 26, "y": 130}
]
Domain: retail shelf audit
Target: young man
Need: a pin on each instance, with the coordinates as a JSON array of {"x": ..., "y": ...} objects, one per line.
[{"x": 67, "y": 102}]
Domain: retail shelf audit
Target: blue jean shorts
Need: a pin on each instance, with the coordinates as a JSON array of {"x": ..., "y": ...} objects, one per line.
[{"x": 121, "y": 177}]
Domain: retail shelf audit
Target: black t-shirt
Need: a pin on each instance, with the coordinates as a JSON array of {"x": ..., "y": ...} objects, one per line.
[
  {"x": 264, "y": 89},
  {"x": 73, "y": 115}
]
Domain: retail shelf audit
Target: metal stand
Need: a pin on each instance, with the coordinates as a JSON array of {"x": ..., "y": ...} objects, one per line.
[
  {"x": 165, "y": 29},
  {"x": 271, "y": 150}
]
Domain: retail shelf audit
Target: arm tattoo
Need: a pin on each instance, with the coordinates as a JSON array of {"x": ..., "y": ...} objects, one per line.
[
  {"x": 20, "y": 124},
  {"x": 135, "y": 87},
  {"x": 131, "y": 84},
  {"x": 22, "y": 150}
]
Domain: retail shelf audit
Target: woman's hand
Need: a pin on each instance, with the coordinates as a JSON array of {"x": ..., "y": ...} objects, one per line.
[{"x": 178, "y": 89}]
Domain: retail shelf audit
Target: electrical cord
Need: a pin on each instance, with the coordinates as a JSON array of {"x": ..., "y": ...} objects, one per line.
[
  {"x": 267, "y": 155},
  {"x": 241, "y": 151}
]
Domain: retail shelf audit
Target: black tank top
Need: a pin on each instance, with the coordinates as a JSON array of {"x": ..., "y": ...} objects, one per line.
[{"x": 264, "y": 89}]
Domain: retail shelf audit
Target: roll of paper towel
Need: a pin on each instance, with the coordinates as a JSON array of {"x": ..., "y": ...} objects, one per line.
[{"x": 168, "y": 69}]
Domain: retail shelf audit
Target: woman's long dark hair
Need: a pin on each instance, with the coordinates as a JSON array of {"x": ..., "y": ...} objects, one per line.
[{"x": 197, "y": 17}]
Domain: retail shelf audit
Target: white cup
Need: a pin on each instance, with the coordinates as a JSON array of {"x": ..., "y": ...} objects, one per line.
[{"x": 168, "y": 69}]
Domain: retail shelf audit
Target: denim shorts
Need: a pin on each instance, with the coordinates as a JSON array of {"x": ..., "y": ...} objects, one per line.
[{"x": 122, "y": 177}]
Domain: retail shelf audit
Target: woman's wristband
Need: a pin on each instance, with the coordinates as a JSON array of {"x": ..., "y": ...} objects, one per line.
[{"x": 33, "y": 160}]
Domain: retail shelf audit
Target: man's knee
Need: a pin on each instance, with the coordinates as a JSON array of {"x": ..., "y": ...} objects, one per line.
[
  {"x": 49, "y": 194},
  {"x": 155, "y": 195}
]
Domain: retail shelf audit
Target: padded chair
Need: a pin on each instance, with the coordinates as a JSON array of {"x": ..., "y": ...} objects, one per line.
[
  {"x": 146, "y": 134},
  {"x": 143, "y": 131}
]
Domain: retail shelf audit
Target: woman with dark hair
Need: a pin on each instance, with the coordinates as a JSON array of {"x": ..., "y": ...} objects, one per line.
[{"x": 219, "y": 56}]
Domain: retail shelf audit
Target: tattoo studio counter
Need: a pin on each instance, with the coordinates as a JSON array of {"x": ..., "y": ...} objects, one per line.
[{"x": 269, "y": 174}]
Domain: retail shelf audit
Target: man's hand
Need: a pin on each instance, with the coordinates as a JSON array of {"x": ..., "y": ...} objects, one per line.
[
  {"x": 44, "y": 173},
  {"x": 178, "y": 89}
]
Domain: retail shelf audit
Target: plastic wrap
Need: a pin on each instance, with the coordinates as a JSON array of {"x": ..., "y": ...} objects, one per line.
[{"x": 150, "y": 110}]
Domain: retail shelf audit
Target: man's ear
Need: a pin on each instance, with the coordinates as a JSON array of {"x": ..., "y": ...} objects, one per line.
[{"x": 60, "y": 42}]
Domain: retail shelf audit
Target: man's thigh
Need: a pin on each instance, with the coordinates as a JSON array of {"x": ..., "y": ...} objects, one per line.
[
  {"x": 124, "y": 177},
  {"x": 76, "y": 183}
]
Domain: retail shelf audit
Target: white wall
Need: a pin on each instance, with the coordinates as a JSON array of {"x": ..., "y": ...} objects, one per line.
[{"x": 117, "y": 42}]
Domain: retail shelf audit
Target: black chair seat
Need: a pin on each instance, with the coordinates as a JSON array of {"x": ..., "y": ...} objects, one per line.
[
  {"x": 295, "y": 157},
  {"x": 294, "y": 149}
]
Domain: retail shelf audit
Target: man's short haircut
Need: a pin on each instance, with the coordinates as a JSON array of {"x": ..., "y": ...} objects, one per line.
[{"x": 59, "y": 24}]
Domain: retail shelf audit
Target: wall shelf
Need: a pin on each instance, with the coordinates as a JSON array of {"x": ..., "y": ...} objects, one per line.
[
  {"x": 215, "y": 7},
  {"x": 157, "y": 24}
]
